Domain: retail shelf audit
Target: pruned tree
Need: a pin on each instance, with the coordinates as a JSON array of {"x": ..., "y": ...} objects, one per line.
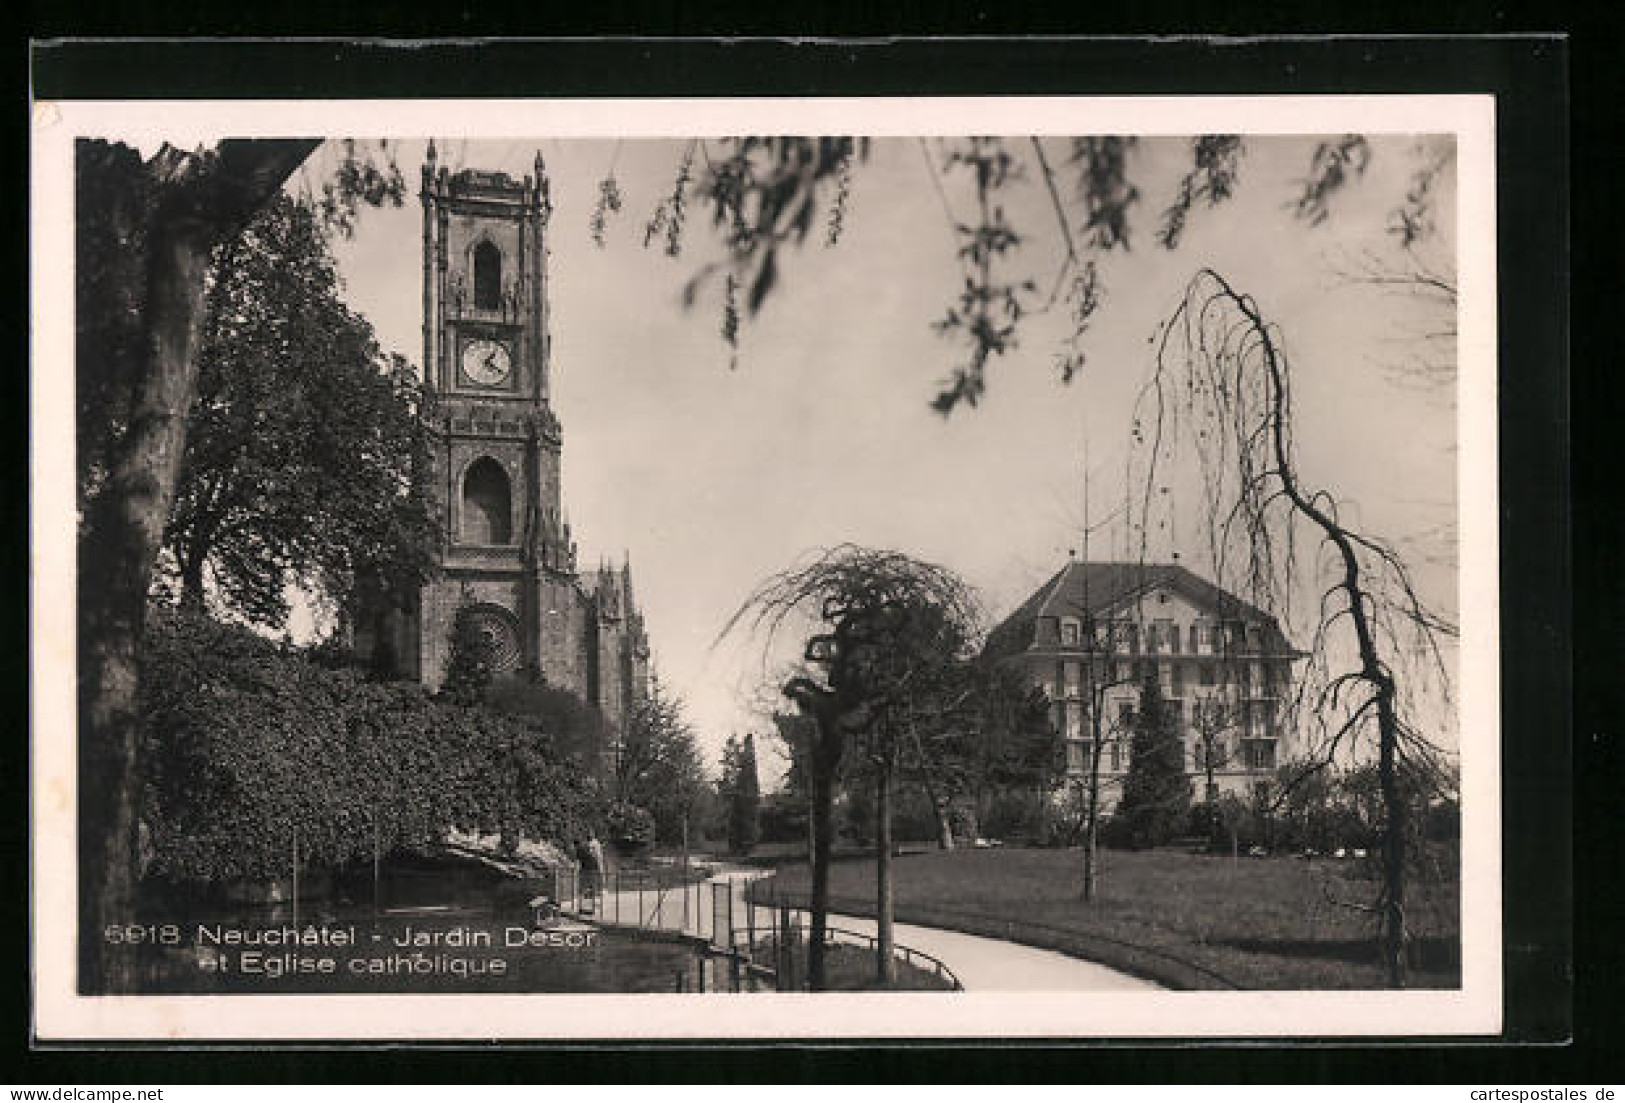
[
  {"x": 1221, "y": 365},
  {"x": 863, "y": 609}
]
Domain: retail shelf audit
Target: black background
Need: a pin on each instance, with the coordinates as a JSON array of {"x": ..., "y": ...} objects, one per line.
[{"x": 1528, "y": 75}]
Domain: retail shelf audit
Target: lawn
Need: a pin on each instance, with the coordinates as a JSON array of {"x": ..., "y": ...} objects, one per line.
[{"x": 1186, "y": 920}]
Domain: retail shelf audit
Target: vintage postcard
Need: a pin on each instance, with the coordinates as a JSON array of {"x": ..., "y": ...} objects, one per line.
[{"x": 552, "y": 570}]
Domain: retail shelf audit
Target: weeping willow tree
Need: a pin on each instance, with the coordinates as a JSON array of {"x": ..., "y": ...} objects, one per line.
[
  {"x": 1221, "y": 385},
  {"x": 878, "y": 620}
]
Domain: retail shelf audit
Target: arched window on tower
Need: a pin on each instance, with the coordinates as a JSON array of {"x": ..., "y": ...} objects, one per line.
[
  {"x": 487, "y": 276},
  {"x": 487, "y": 516}
]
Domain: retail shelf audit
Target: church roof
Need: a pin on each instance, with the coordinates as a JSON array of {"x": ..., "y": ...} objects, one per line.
[{"x": 1094, "y": 589}]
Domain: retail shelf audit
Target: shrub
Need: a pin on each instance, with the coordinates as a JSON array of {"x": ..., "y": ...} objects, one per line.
[
  {"x": 249, "y": 746},
  {"x": 1015, "y": 815}
]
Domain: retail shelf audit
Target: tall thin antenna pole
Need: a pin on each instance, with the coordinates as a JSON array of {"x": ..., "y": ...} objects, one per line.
[{"x": 1086, "y": 504}]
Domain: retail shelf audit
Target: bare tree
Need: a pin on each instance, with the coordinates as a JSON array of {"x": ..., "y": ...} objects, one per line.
[
  {"x": 878, "y": 617},
  {"x": 1098, "y": 735},
  {"x": 1225, "y": 361}
]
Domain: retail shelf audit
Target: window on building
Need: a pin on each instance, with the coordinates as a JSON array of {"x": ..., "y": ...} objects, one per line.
[
  {"x": 487, "y": 276},
  {"x": 1205, "y": 674},
  {"x": 1116, "y": 756},
  {"x": 1069, "y": 633},
  {"x": 1074, "y": 720},
  {"x": 1074, "y": 679},
  {"x": 1195, "y": 636},
  {"x": 487, "y": 510},
  {"x": 1077, "y": 756},
  {"x": 1177, "y": 684},
  {"x": 1255, "y": 637},
  {"x": 1258, "y": 754}
]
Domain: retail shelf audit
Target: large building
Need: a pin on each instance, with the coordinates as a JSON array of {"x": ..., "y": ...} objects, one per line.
[
  {"x": 506, "y": 555},
  {"x": 1088, "y": 634}
]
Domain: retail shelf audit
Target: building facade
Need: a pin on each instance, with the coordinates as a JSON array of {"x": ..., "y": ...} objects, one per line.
[
  {"x": 506, "y": 556},
  {"x": 1089, "y": 635}
]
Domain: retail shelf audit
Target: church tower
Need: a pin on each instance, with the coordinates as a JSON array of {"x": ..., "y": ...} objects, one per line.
[{"x": 505, "y": 553}]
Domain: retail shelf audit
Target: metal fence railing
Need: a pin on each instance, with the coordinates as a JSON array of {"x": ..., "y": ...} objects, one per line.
[{"x": 755, "y": 944}]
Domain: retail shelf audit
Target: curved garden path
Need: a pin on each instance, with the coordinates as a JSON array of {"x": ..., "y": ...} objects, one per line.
[{"x": 982, "y": 964}]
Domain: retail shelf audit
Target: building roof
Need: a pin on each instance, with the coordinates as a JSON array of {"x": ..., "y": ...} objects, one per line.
[{"x": 1087, "y": 590}]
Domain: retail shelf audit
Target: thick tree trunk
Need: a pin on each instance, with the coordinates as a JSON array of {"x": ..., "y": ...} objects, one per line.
[
  {"x": 125, "y": 529},
  {"x": 886, "y": 968},
  {"x": 198, "y": 202}
]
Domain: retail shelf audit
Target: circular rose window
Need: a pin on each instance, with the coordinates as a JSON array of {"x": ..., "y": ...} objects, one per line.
[{"x": 498, "y": 633}]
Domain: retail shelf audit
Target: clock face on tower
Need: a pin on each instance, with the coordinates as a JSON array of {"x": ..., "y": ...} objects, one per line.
[{"x": 486, "y": 362}]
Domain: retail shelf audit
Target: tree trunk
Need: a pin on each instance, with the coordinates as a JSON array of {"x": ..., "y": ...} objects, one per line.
[
  {"x": 823, "y": 790},
  {"x": 199, "y": 202},
  {"x": 1393, "y": 844},
  {"x": 116, "y": 558},
  {"x": 1372, "y": 669},
  {"x": 1091, "y": 827},
  {"x": 945, "y": 826},
  {"x": 886, "y": 969}
]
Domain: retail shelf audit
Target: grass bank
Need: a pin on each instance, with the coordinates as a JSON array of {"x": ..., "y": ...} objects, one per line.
[{"x": 1188, "y": 921}]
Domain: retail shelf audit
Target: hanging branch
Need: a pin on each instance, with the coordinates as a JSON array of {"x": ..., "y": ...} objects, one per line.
[{"x": 1218, "y": 348}]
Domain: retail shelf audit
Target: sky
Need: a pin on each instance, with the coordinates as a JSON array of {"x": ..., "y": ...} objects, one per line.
[{"x": 711, "y": 473}]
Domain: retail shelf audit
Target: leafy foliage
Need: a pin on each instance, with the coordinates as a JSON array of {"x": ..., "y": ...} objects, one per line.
[
  {"x": 304, "y": 441},
  {"x": 362, "y": 177},
  {"x": 657, "y": 765},
  {"x": 988, "y": 310},
  {"x": 468, "y": 667},
  {"x": 250, "y": 746},
  {"x": 1215, "y": 164},
  {"x": 578, "y": 729},
  {"x": 629, "y": 828},
  {"x": 1334, "y": 164}
]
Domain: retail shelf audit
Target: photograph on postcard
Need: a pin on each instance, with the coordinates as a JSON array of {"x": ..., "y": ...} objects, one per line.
[{"x": 672, "y": 563}]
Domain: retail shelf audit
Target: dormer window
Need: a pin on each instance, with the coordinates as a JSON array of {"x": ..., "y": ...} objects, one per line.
[{"x": 1069, "y": 632}]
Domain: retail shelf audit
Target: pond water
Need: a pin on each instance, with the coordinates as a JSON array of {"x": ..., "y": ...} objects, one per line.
[{"x": 436, "y": 925}]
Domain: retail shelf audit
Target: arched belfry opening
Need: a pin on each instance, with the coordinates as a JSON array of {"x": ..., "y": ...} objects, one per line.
[
  {"x": 487, "y": 504},
  {"x": 487, "y": 276}
]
